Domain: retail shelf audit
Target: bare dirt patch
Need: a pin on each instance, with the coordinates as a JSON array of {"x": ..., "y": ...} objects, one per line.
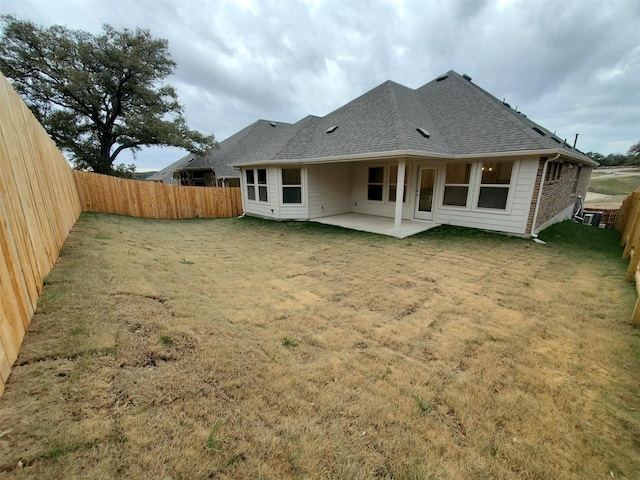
[{"x": 254, "y": 349}]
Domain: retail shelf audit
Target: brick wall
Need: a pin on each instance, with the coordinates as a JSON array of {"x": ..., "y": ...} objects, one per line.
[{"x": 558, "y": 191}]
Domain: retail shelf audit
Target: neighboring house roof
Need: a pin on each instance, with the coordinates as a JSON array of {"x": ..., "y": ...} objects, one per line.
[
  {"x": 259, "y": 140},
  {"x": 166, "y": 174},
  {"x": 458, "y": 118}
]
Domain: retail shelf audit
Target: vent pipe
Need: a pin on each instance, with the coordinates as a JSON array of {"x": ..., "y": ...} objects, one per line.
[{"x": 575, "y": 140}]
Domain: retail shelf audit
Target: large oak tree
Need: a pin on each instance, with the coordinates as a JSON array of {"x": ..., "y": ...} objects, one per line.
[{"x": 97, "y": 95}]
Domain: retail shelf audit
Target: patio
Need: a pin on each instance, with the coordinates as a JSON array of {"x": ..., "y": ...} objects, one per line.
[{"x": 376, "y": 224}]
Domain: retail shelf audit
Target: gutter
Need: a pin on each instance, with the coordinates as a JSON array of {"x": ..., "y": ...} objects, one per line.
[
  {"x": 535, "y": 214},
  {"x": 410, "y": 154}
]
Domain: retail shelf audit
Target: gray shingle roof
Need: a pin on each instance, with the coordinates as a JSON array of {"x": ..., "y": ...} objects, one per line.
[
  {"x": 166, "y": 174},
  {"x": 461, "y": 118}
]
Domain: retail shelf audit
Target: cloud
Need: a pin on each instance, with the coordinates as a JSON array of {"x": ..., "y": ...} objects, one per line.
[{"x": 572, "y": 66}]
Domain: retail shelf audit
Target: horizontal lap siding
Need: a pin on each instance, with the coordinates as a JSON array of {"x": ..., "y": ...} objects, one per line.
[
  {"x": 513, "y": 222},
  {"x": 360, "y": 204},
  {"x": 269, "y": 208},
  {"x": 329, "y": 189}
]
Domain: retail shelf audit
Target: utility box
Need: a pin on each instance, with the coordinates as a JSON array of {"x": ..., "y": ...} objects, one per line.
[{"x": 592, "y": 218}]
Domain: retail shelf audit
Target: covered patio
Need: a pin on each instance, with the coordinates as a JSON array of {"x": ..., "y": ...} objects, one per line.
[{"x": 376, "y": 224}]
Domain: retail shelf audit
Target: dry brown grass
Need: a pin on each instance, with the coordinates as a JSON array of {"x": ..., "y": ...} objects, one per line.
[{"x": 253, "y": 349}]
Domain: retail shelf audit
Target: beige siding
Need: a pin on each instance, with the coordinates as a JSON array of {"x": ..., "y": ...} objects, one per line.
[
  {"x": 262, "y": 209},
  {"x": 329, "y": 191},
  {"x": 513, "y": 220},
  {"x": 274, "y": 208},
  {"x": 359, "y": 202}
]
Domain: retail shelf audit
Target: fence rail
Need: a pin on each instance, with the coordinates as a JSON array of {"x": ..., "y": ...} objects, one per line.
[
  {"x": 39, "y": 204},
  {"x": 628, "y": 224},
  {"x": 40, "y": 201},
  {"x": 102, "y": 193}
]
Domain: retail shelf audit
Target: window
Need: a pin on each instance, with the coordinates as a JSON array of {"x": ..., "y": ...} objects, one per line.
[
  {"x": 262, "y": 184},
  {"x": 376, "y": 184},
  {"x": 291, "y": 185},
  {"x": 393, "y": 187},
  {"x": 554, "y": 170},
  {"x": 494, "y": 185},
  {"x": 251, "y": 185},
  {"x": 261, "y": 175},
  {"x": 456, "y": 185},
  {"x": 198, "y": 178}
]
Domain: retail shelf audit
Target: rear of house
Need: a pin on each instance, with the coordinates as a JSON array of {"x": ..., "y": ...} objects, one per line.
[{"x": 447, "y": 153}]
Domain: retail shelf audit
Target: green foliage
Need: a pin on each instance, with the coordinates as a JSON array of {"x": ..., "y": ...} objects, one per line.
[
  {"x": 423, "y": 405},
  {"x": 615, "y": 186},
  {"x": 289, "y": 342},
  {"x": 616, "y": 159},
  {"x": 213, "y": 440},
  {"x": 583, "y": 240},
  {"x": 97, "y": 95}
]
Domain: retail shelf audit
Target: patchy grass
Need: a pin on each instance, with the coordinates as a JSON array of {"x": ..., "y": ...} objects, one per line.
[
  {"x": 615, "y": 185},
  {"x": 455, "y": 354}
]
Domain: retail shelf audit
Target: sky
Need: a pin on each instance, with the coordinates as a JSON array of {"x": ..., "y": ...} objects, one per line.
[{"x": 571, "y": 66}]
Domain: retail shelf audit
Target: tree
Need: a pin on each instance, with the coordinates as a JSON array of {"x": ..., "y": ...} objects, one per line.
[
  {"x": 97, "y": 95},
  {"x": 634, "y": 153},
  {"x": 596, "y": 157}
]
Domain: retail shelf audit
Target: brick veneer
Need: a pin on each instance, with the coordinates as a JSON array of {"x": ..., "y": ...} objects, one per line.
[{"x": 558, "y": 195}]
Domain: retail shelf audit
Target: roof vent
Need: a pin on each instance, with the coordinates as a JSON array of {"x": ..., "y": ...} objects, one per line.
[
  {"x": 423, "y": 132},
  {"x": 332, "y": 129},
  {"x": 191, "y": 160},
  {"x": 273, "y": 124},
  {"x": 557, "y": 140},
  {"x": 442, "y": 77},
  {"x": 541, "y": 132},
  {"x": 504, "y": 102},
  {"x": 466, "y": 77}
]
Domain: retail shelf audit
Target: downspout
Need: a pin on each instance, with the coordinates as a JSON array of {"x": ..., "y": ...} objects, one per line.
[{"x": 534, "y": 235}]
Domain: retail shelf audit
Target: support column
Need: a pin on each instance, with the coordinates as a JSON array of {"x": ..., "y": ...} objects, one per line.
[{"x": 399, "y": 194}]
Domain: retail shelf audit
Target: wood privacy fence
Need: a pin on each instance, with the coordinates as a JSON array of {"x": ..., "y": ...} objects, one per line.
[
  {"x": 102, "y": 193},
  {"x": 628, "y": 224},
  {"x": 40, "y": 201},
  {"x": 39, "y": 204}
]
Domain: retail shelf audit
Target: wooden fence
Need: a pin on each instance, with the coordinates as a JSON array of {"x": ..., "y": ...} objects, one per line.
[
  {"x": 39, "y": 204},
  {"x": 40, "y": 201},
  {"x": 628, "y": 224},
  {"x": 102, "y": 193}
]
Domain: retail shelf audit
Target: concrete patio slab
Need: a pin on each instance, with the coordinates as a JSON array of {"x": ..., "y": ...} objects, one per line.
[{"x": 376, "y": 224}]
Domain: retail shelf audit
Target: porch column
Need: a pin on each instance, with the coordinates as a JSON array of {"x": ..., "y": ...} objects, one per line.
[{"x": 399, "y": 194}]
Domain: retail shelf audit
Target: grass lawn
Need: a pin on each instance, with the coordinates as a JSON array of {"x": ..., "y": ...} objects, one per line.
[
  {"x": 245, "y": 349},
  {"x": 615, "y": 185}
]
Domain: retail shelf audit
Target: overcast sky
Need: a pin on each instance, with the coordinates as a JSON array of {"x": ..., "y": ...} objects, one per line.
[{"x": 572, "y": 66}]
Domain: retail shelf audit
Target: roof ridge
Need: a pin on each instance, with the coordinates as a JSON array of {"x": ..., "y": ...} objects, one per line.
[
  {"x": 499, "y": 107},
  {"x": 393, "y": 104},
  {"x": 309, "y": 119}
]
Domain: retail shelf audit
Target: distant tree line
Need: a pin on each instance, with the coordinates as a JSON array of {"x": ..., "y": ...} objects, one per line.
[{"x": 615, "y": 159}]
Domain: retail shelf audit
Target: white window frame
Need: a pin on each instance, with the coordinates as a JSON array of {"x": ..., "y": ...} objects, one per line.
[
  {"x": 384, "y": 182},
  {"x": 387, "y": 183},
  {"x": 510, "y": 186},
  {"x": 470, "y": 186},
  {"x": 407, "y": 176},
  {"x": 256, "y": 185},
  {"x": 282, "y": 186}
]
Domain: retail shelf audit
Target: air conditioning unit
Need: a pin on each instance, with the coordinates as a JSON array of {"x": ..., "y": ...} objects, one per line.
[{"x": 588, "y": 218}]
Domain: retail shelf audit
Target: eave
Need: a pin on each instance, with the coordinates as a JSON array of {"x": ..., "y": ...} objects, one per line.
[{"x": 419, "y": 155}]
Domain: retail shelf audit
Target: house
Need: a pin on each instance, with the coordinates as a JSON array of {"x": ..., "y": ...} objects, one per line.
[
  {"x": 166, "y": 174},
  {"x": 398, "y": 161},
  {"x": 213, "y": 169}
]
